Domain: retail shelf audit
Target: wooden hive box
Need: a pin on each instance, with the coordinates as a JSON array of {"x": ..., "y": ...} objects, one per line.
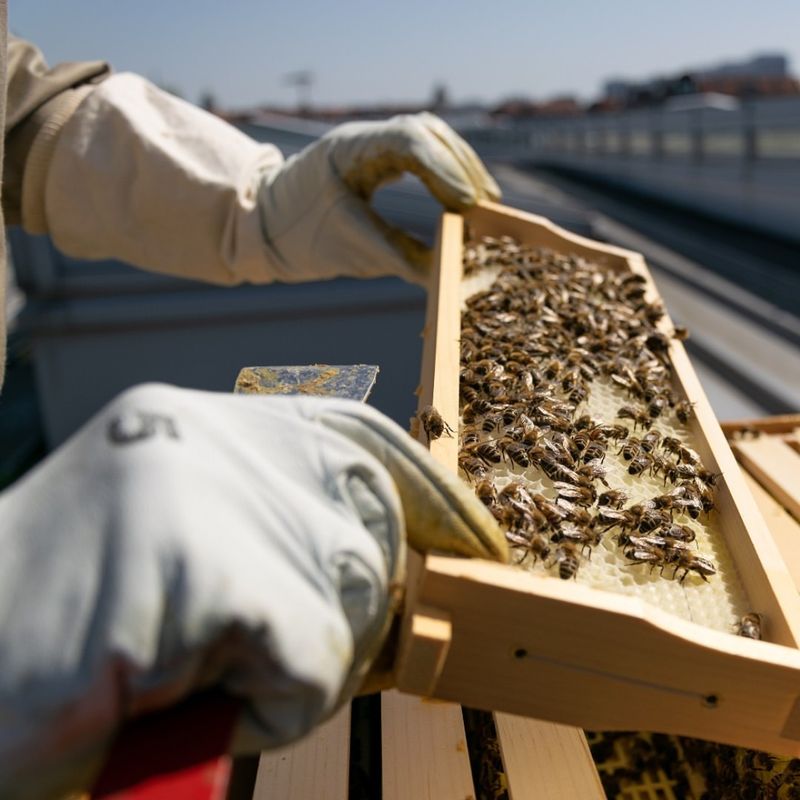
[{"x": 499, "y": 638}]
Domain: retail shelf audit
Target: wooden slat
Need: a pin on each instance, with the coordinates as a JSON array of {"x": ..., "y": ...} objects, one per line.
[
  {"x": 424, "y": 750},
  {"x": 780, "y": 423},
  {"x": 546, "y": 761},
  {"x": 605, "y": 661},
  {"x": 793, "y": 440},
  {"x": 783, "y": 527},
  {"x": 776, "y": 466},
  {"x": 315, "y": 767}
]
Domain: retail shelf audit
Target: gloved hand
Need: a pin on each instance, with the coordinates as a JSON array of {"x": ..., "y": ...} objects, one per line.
[
  {"x": 184, "y": 539},
  {"x": 137, "y": 174},
  {"x": 315, "y": 208}
]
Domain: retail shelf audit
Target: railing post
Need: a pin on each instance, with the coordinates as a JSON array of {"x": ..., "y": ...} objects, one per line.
[
  {"x": 749, "y": 132},
  {"x": 656, "y": 137},
  {"x": 696, "y": 134}
]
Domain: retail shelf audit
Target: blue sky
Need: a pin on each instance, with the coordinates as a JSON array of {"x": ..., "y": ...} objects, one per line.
[{"x": 371, "y": 51}]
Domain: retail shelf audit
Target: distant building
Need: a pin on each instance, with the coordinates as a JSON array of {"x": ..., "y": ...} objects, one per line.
[
  {"x": 763, "y": 75},
  {"x": 768, "y": 65},
  {"x": 522, "y": 108}
]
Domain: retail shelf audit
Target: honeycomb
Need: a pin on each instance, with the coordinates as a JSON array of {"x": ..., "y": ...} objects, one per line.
[{"x": 718, "y": 603}]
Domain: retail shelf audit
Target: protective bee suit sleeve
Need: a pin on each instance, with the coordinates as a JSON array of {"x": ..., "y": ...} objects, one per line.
[{"x": 137, "y": 174}]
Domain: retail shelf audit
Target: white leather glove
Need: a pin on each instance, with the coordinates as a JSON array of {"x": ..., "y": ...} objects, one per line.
[
  {"x": 315, "y": 208},
  {"x": 184, "y": 539},
  {"x": 137, "y": 174}
]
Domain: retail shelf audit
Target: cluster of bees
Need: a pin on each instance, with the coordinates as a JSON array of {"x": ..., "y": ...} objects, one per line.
[{"x": 532, "y": 346}]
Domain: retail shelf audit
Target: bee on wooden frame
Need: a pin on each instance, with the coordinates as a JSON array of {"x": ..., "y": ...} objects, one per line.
[{"x": 433, "y": 424}]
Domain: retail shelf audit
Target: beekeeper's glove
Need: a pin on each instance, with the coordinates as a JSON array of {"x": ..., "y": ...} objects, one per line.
[
  {"x": 184, "y": 539},
  {"x": 137, "y": 174},
  {"x": 315, "y": 209}
]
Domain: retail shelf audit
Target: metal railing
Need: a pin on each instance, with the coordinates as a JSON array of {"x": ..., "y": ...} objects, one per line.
[{"x": 748, "y": 131}]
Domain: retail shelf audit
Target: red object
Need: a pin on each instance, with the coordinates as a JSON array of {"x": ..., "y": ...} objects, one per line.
[{"x": 176, "y": 754}]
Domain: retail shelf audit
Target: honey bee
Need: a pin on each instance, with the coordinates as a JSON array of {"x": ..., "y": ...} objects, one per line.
[
  {"x": 678, "y": 499},
  {"x": 491, "y": 422},
  {"x": 472, "y": 467},
  {"x": 628, "y": 381},
  {"x": 553, "y": 513},
  {"x": 576, "y": 534},
  {"x": 515, "y": 490},
  {"x": 679, "y": 472},
  {"x": 477, "y": 408},
  {"x": 750, "y": 625},
  {"x": 556, "y": 471},
  {"x": 582, "y": 495},
  {"x": 516, "y": 452},
  {"x": 487, "y": 368},
  {"x": 681, "y": 533},
  {"x": 433, "y": 424},
  {"x": 612, "y": 518},
  {"x": 645, "y": 555},
  {"x": 507, "y": 517},
  {"x": 592, "y": 471},
  {"x": 469, "y": 394},
  {"x": 613, "y": 432},
  {"x": 683, "y": 411},
  {"x": 486, "y": 492},
  {"x": 631, "y": 449},
  {"x": 566, "y": 557},
  {"x": 706, "y": 499},
  {"x": 594, "y": 451},
  {"x": 650, "y": 441},
  {"x": 553, "y": 369},
  {"x": 639, "y": 464},
  {"x": 613, "y": 498},
  {"x": 510, "y": 415},
  {"x": 469, "y": 437},
  {"x": 647, "y": 518},
  {"x": 691, "y": 562},
  {"x": 680, "y": 333},
  {"x": 571, "y": 379},
  {"x": 639, "y": 417},
  {"x": 578, "y": 395},
  {"x": 536, "y": 545},
  {"x": 488, "y": 452}
]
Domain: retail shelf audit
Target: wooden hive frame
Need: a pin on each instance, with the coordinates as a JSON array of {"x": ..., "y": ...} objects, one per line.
[
  {"x": 423, "y": 742},
  {"x": 478, "y": 633}
]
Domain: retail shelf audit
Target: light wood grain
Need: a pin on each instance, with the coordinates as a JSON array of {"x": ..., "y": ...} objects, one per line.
[
  {"x": 423, "y": 742},
  {"x": 606, "y": 661},
  {"x": 780, "y": 423},
  {"x": 783, "y": 527},
  {"x": 424, "y": 651},
  {"x": 545, "y": 761},
  {"x": 424, "y": 750},
  {"x": 776, "y": 466},
  {"x": 315, "y": 768},
  {"x": 440, "y": 386},
  {"x": 613, "y": 662}
]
